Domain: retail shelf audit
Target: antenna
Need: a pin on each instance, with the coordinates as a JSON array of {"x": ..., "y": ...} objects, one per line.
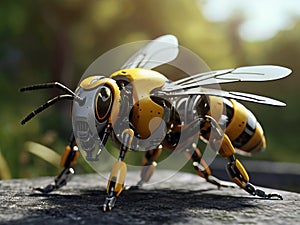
[{"x": 69, "y": 95}]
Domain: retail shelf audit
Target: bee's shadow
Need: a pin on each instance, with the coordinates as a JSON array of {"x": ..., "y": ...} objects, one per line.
[{"x": 138, "y": 206}]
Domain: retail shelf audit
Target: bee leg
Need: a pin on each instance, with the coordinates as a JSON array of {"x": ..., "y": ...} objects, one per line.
[
  {"x": 239, "y": 175},
  {"x": 149, "y": 165},
  {"x": 237, "y": 171},
  {"x": 235, "y": 168},
  {"x": 116, "y": 179},
  {"x": 68, "y": 160},
  {"x": 201, "y": 167}
]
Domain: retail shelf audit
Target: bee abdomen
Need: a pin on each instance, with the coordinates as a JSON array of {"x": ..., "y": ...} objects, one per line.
[
  {"x": 244, "y": 131},
  {"x": 241, "y": 126}
]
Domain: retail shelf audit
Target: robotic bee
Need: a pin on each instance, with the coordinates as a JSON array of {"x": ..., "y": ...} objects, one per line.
[{"x": 138, "y": 108}]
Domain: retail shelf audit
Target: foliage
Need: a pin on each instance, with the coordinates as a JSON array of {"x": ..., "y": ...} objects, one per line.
[{"x": 56, "y": 40}]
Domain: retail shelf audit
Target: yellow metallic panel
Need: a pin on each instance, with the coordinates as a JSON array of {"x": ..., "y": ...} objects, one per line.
[
  {"x": 239, "y": 183},
  {"x": 238, "y": 121},
  {"x": 144, "y": 81},
  {"x": 118, "y": 172},
  {"x": 92, "y": 82},
  {"x": 147, "y": 117},
  {"x": 216, "y": 107},
  {"x": 145, "y": 110},
  {"x": 227, "y": 148},
  {"x": 242, "y": 170}
]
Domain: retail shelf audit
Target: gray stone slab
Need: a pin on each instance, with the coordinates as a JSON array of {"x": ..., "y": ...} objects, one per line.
[{"x": 183, "y": 199}]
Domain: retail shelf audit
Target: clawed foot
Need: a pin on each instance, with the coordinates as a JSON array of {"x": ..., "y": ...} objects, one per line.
[
  {"x": 254, "y": 191},
  {"x": 60, "y": 181},
  {"x": 134, "y": 187},
  {"x": 47, "y": 189},
  {"x": 262, "y": 194},
  {"x": 272, "y": 196},
  {"x": 109, "y": 203},
  {"x": 111, "y": 199}
]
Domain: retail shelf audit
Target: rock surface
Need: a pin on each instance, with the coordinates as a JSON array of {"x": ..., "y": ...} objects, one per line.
[{"x": 183, "y": 199}]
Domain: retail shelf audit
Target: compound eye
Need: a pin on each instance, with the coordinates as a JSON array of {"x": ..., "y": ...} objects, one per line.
[{"x": 104, "y": 100}]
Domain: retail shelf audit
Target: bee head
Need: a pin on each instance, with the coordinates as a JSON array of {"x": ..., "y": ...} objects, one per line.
[{"x": 92, "y": 118}]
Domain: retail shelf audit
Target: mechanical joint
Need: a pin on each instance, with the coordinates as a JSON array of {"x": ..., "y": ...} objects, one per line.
[
  {"x": 65, "y": 176},
  {"x": 238, "y": 173},
  {"x": 117, "y": 178}
]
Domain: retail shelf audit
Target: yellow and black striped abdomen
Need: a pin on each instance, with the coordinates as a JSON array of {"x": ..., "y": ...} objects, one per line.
[
  {"x": 245, "y": 133},
  {"x": 242, "y": 128}
]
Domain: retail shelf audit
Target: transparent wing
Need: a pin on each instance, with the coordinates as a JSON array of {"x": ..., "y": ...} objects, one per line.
[
  {"x": 159, "y": 51},
  {"x": 249, "y": 73},
  {"x": 225, "y": 94}
]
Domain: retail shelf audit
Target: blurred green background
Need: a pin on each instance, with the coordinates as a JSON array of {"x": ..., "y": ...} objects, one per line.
[{"x": 43, "y": 41}]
